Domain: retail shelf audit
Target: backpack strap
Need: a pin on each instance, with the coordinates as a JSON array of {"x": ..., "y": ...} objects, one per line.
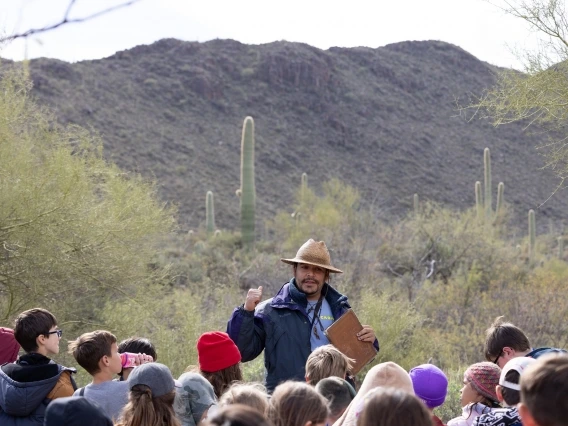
[
  {"x": 82, "y": 391},
  {"x": 73, "y": 383}
]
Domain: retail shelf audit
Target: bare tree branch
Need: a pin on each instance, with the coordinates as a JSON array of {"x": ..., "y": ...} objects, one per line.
[
  {"x": 68, "y": 11},
  {"x": 66, "y": 20},
  {"x": 540, "y": 95}
]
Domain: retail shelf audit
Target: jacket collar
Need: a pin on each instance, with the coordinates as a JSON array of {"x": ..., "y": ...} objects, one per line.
[{"x": 34, "y": 358}]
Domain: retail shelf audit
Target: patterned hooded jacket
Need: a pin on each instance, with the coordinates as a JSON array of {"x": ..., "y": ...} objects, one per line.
[{"x": 500, "y": 417}]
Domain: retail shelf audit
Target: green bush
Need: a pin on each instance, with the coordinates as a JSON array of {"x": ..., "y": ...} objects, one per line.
[
  {"x": 172, "y": 322},
  {"x": 452, "y": 406},
  {"x": 403, "y": 333},
  {"x": 74, "y": 229},
  {"x": 439, "y": 244},
  {"x": 328, "y": 217}
]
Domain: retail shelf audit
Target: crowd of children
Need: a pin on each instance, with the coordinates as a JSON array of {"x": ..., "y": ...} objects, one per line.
[{"x": 516, "y": 385}]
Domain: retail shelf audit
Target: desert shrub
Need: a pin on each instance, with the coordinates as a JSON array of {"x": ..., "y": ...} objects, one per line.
[
  {"x": 172, "y": 319},
  {"x": 329, "y": 216},
  {"x": 175, "y": 320},
  {"x": 437, "y": 244},
  {"x": 172, "y": 322},
  {"x": 74, "y": 229},
  {"x": 461, "y": 310},
  {"x": 403, "y": 332},
  {"x": 336, "y": 217},
  {"x": 452, "y": 406},
  {"x": 537, "y": 304},
  {"x": 441, "y": 318}
]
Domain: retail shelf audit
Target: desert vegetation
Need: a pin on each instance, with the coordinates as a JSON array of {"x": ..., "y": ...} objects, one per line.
[{"x": 94, "y": 245}]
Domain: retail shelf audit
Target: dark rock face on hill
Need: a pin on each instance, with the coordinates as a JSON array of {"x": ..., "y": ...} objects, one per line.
[{"x": 384, "y": 120}]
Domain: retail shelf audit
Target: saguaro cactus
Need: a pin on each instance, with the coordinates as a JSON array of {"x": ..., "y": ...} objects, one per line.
[
  {"x": 416, "y": 204},
  {"x": 304, "y": 187},
  {"x": 248, "y": 191},
  {"x": 532, "y": 236},
  {"x": 487, "y": 199},
  {"x": 479, "y": 201},
  {"x": 484, "y": 201},
  {"x": 209, "y": 213},
  {"x": 500, "y": 195}
]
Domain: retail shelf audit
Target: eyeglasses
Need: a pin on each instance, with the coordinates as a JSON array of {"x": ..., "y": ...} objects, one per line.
[
  {"x": 58, "y": 332},
  {"x": 498, "y": 356}
]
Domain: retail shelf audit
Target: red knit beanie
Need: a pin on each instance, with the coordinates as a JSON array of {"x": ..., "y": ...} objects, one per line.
[
  {"x": 9, "y": 347},
  {"x": 216, "y": 351},
  {"x": 484, "y": 377}
]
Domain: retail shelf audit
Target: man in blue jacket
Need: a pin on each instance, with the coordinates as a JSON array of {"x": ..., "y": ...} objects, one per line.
[{"x": 291, "y": 324}]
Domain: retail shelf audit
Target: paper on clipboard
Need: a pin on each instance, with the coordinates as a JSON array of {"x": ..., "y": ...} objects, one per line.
[{"x": 343, "y": 335}]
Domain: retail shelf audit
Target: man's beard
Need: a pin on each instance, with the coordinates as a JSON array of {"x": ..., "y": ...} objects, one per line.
[{"x": 314, "y": 283}]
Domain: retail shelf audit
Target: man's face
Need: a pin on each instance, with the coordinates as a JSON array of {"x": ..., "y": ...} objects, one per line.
[{"x": 310, "y": 279}]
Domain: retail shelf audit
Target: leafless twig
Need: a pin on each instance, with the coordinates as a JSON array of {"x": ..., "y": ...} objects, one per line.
[
  {"x": 431, "y": 272},
  {"x": 393, "y": 271},
  {"x": 66, "y": 20}
]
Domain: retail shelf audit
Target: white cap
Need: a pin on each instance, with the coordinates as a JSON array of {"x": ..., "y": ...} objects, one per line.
[{"x": 518, "y": 364}]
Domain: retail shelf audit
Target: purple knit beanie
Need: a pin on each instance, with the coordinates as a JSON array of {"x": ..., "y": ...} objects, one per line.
[
  {"x": 430, "y": 384},
  {"x": 484, "y": 377}
]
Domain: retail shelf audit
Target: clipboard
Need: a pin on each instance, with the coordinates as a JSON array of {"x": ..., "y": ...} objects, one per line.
[{"x": 343, "y": 335}]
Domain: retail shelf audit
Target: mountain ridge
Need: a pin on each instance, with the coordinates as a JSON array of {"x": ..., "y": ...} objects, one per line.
[{"x": 382, "y": 119}]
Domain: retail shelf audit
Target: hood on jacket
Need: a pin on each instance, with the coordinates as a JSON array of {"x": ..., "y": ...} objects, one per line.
[
  {"x": 75, "y": 411},
  {"x": 31, "y": 367},
  {"x": 20, "y": 399},
  {"x": 387, "y": 374}
]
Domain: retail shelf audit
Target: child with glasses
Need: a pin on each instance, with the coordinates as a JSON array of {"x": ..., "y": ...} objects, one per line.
[
  {"x": 28, "y": 385},
  {"x": 505, "y": 341}
]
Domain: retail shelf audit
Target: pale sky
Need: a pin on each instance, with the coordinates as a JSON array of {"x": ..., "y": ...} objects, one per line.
[{"x": 477, "y": 26}]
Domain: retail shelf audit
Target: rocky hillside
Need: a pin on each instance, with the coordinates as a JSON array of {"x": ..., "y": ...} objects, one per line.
[{"x": 383, "y": 120}]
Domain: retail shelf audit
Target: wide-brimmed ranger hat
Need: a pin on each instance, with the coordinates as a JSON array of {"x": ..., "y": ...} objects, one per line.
[{"x": 314, "y": 253}]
